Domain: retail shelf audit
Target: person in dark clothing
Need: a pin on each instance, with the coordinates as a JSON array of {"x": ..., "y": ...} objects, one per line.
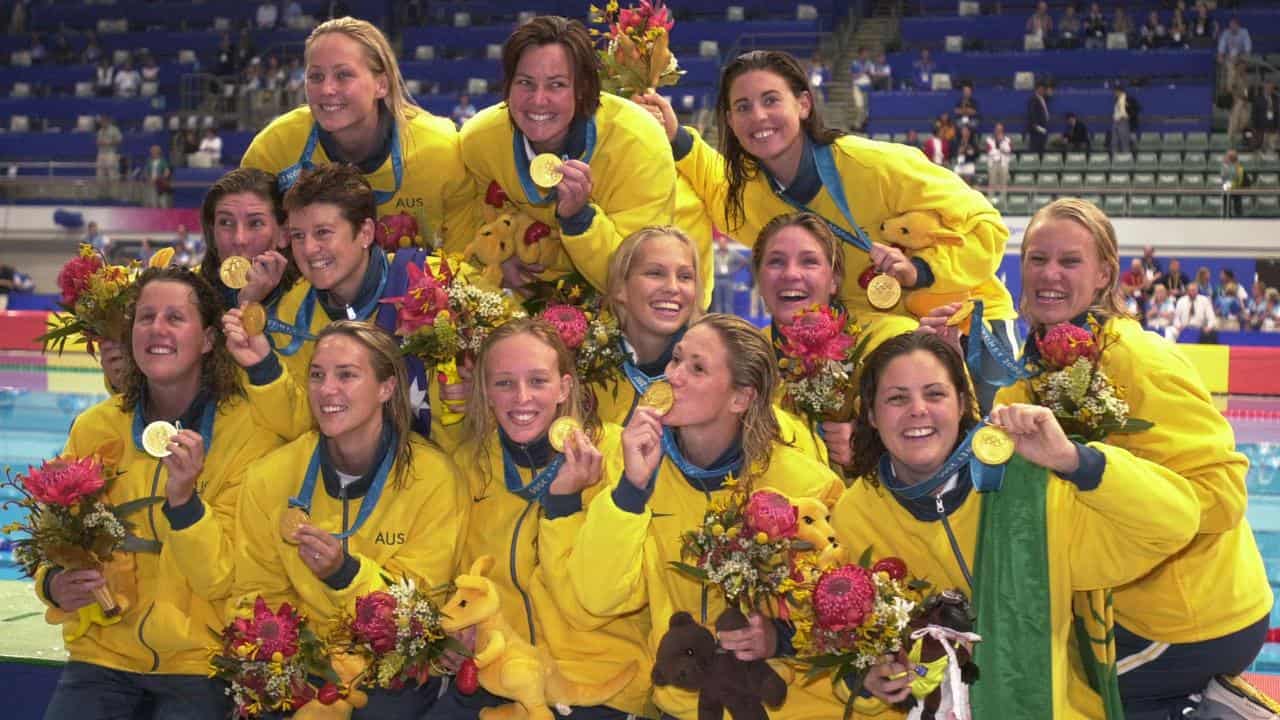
[
  {"x": 1076, "y": 136},
  {"x": 1038, "y": 119}
]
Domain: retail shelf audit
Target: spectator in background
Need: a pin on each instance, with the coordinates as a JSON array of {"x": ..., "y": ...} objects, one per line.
[
  {"x": 1229, "y": 307},
  {"x": 189, "y": 248},
  {"x": 108, "y": 142},
  {"x": 728, "y": 262},
  {"x": 211, "y": 147},
  {"x": 18, "y": 18},
  {"x": 1038, "y": 118},
  {"x": 1228, "y": 285},
  {"x": 128, "y": 80},
  {"x": 94, "y": 237},
  {"x": 1205, "y": 282},
  {"x": 39, "y": 53},
  {"x": 1120, "y": 22},
  {"x": 1176, "y": 280},
  {"x": 92, "y": 50},
  {"x": 1204, "y": 29},
  {"x": 225, "y": 64},
  {"x": 881, "y": 73},
  {"x": 1269, "y": 316},
  {"x": 1070, "y": 29},
  {"x": 819, "y": 75},
  {"x": 1255, "y": 308},
  {"x": 1161, "y": 309},
  {"x": 60, "y": 50},
  {"x": 1233, "y": 178},
  {"x": 1151, "y": 265},
  {"x": 246, "y": 49},
  {"x": 157, "y": 177},
  {"x": 1152, "y": 34},
  {"x": 922, "y": 70},
  {"x": 1178, "y": 35},
  {"x": 999, "y": 153},
  {"x": 1040, "y": 23},
  {"x": 1133, "y": 282},
  {"x": 913, "y": 140},
  {"x": 150, "y": 71},
  {"x": 1095, "y": 28},
  {"x": 1192, "y": 310},
  {"x": 1266, "y": 116},
  {"x": 336, "y": 9},
  {"x": 1076, "y": 136},
  {"x": 1121, "y": 141},
  {"x": 945, "y": 131},
  {"x": 861, "y": 69},
  {"x": 935, "y": 149},
  {"x": 1234, "y": 43},
  {"x": 964, "y": 152},
  {"x": 463, "y": 111},
  {"x": 966, "y": 108},
  {"x": 267, "y": 16},
  {"x": 104, "y": 78}
]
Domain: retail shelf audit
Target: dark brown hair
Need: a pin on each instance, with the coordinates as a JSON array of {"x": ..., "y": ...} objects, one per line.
[
  {"x": 337, "y": 184},
  {"x": 239, "y": 181},
  {"x": 548, "y": 29},
  {"x": 740, "y": 166},
  {"x": 832, "y": 246}
]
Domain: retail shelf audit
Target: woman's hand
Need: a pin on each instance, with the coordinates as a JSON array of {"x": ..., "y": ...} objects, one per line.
[
  {"x": 517, "y": 274},
  {"x": 757, "y": 641},
  {"x": 661, "y": 109},
  {"x": 114, "y": 363},
  {"x": 457, "y": 393},
  {"x": 320, "y": 551},
  {"x": 247, "y": 351},
  {"x": 582, "y": 465},
  {"x": 184, "y": 463},
  {"x": 839, "y": 439},
  {"x": 889, "y": 680},
  {"x": 642, "y": 446},
  {"x": 1037, "y": 436},
  {"x": 265, "y": 273},
  {"x": 71, "y": 590},
  {"x": 935, "y": 323},
  {"x": 892, "y": 261},
  {"x": 574, "y": 191}
]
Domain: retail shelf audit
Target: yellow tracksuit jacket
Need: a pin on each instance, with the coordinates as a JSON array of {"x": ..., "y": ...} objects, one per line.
[
  {"x": 1184, "y": 599},
  {"x": 173, "y": 597},
  {"x": 415, "y": 530}
]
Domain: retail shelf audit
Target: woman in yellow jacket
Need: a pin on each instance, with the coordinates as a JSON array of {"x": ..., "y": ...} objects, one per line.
[
  {"x": 1025, "y": 554},
  {"x": 517, "y": 481},
  {"x": 612, "y": 184},
  {"x": 1180, "y": 625},
  {"x": 243, "y": 214},
  {"x": 359, "y": 111},
  {"x": 175, "y": 572},
  {"x": 721, "y": 425},
  {"x": 381, "y": 502},
  {"x": 777, "y": 157}
]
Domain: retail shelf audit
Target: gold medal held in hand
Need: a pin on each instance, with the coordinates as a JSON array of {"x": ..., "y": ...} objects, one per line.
[
  {"x": 253, "y": 318},
  {"x": 234, "y": 272},
  {"x": 992, "y": 446},
  {"x": 545, "y": 170},
  {"x": 156, "y": 437},
  {"x": 561, "y": 430},
  {"x": 290, "y": 520},
  {"x": 884, "y": 291},
  {"x": 658, "y": 396},
  {"x": 961, "y": 315}
]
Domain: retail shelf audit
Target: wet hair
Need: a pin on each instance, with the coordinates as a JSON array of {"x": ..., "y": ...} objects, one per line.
[
  {"x": 740, "y": 166},
  {"x": 1110, "y": 299},
  {"x": 379, "y": 57},
  {"x": 832, "y": 246},
  {"x": 868, "y": 448},
  {"x": 219, "y": 373},
  {"x": 548, "y": 29},
  {"x": 337, "y": 184},
  {"x": 387, "y": 362},
  {"x": 625, "y": 255},
  {"x": 238, "y": 182}
]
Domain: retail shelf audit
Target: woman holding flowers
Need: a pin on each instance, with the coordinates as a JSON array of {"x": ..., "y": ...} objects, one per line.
[
  {"x": 360, "y": 111},
  {"x": 530, "y": 457},
  {"x": 175, "y": 573},
  {"x": 1069, "y": 519},
  {"x": 243, "y": 215},
  {"x": 776, "y": 157},
  {"x": 719, "y": 436},
  {"x": 604, "y": 180},
  {"x": 1179, "y": 625},
  {"x": 358, "y": 503}
]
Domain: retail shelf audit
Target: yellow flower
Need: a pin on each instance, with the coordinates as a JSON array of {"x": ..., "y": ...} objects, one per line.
[
  {"x": 277, "y": 657},
  {"x": 717, "y": 529},
  {"x": 733, "y": 532},
  {"x": 762, "y": 537},
  {"x": 245, "y": 650}
]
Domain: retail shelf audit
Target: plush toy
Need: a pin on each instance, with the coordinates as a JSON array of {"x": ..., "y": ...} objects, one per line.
[
  {"x": 492, "y": 246},
  {"x": 534, "y": 241},
  {"x": 913, "y": 231},
  {"x": 814, "y": 526},
  {"x": 688, "y": 658},
  {"x": 394, "y": 232},
  {"x": 509, "y": 666},
  {"x": 349, "y": 667},
  {"x": 940, "y": 659}
]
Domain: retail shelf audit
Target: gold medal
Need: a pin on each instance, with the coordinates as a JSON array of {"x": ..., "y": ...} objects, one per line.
[
  {"x": 234, "y": 272},
  {"x": 290, "y": 520},
  {"x": 545, "y": 170},
  {"x": 961, "y": 315},
  {"x": 253, "y": 318},
  {"x": 992, "y": 446},
  {"x": 156, "y": 437},
  {"x": 561, "y": 430},
  {"x": 658, "y": 396},
  {"x": 884, "y": 291}
]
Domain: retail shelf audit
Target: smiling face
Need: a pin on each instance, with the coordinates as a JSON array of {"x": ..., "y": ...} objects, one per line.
[
  {"x": 702, "y": 382},
  {"x": 917, "y": 413},
  {"x": 541, "y": 99},
  {"x": 523, "y": 386},
  {"x": 343, "y": 388},
  {"x": 342, "y": 92},
  {"x": 169, "y": 340},
  {"x": 659, "y": 292},
  {"x": 245, "y": 224},
  {"x": 794, "y": 273},
  {"x": 765, "y": 115},
  {"x": 1062, "y": 274},
  {"x": 331, "y": 254}
]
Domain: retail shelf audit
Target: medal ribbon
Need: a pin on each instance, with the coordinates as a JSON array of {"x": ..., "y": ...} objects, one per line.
[
  {"x": 288, "y": 176},
  {"x": 537, "y": 486},
  {"x": 830, "y": 177},
  {"x": 370, "y": 501},
  {"x": 531, "y": 191},
  {"x": 983, "y": 341},
  {"x": 300, "y": 330},
  {"x": 986, "y": 478}
]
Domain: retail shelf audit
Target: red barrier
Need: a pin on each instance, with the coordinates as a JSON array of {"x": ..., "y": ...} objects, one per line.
[
  {"x": 20, "y": 328},
  {"x": 1254, "y": 371}
]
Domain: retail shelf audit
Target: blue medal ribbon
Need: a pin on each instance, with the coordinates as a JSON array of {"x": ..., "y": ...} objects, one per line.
[
  {"x": 983, "y": 341},
  {"x": 986, "y": 478},
  {"x": 300, "y": 330},
  {"x": 521, "y": 157},
  {"x": 672, "y": 450},
  {"x": 540, "y": 483},
  {"x": 205, "y": 430},
  {"x": 288, "y": 176},
  {"x": 367, "y": 504},
  {"x": 830, "y": 177},
  {"x": 639, "y": 380}
]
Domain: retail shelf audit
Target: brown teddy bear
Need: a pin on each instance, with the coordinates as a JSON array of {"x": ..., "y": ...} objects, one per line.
[{"x": 689, "y": 658}]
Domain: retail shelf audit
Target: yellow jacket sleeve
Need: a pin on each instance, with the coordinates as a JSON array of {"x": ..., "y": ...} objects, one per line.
[
  {"x": 282, "y": 405},
  {"x": 258, "y": 570},
  {"x": 610, "y": 537},
  {"x": 703, "y": 167}
]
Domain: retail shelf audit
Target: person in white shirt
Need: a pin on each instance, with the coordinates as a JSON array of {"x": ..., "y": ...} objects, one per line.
[
  {"x": 1161, "y": 310},
  {"x": 211, "y": 147},
  {"x": 1193, "y": 310},
  {"x": 999, "y": 149},
  {"x": 128, "y": 81}
]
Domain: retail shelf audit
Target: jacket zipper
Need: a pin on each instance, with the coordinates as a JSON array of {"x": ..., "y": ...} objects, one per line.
[
  {"x": 342, "y": 493},
  {"x": 955, "y": 546},
  {"x": 155, "y": 534},
  {"x": 511, "y": 562}
]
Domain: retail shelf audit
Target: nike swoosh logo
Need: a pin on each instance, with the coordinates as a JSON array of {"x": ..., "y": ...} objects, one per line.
[
  {"x": 657, "y": 515},
  {"x": 478, "y": 499}
]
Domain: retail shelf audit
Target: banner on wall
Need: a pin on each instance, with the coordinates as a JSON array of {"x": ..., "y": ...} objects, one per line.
[{"x": 1237, "y": 237}]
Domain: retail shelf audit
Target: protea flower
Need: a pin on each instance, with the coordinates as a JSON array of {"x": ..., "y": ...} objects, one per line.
[
  {"x": 1065, "y": 344},
  {"x": 844, "y": 597},
  {"x": 64, "y": 481},
  {"x": 570, "y": 323}
]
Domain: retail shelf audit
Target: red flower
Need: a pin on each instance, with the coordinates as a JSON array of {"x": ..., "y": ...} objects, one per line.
[
  {"x": 329, "y": 694},
  {"x": 64, "y": 481},
  {"x": 658, "y": 15},
  {"x": 424, "y": 297},
  {"x": 73, "y": 279},
  {"x": 273, "y": 632},
  {"x": 494, "y": 195},
  {"x": 772, "y": 514},
  {"x": 375, "y": 621},
  {"x": 570, "y": 323},
  {"x": 393, "y": 232},
  {"x": 816, "y": 333},
  {"x": 895, "y": 567},
  {"x": 536, "y": 232},
  {"x": 1065, "y": 344},
  {"x": 844, "y": 597}
]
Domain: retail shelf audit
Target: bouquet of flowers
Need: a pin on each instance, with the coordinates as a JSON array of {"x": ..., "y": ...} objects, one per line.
[
  {"x": 635, "y": 54},
  {"x": 68, "y": 523},
  {"x": 269, "y": 657},
  {"x": 1071, "y": 382},
  {"x": 95, "y": 297},
  {"x": 820, "y": 354},
  {"x": 397, "y": 633},
  {"x": 745, "y": 546},
  {"x": 444, "y": 317},
  {"x": 593, "y": 335}
]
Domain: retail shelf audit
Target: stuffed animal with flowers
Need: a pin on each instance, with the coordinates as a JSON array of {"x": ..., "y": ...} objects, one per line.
[
  {"x": 940, "y": 659},
  {"x": 689, "y": 658},
  {"x": 510, "y": 231}
]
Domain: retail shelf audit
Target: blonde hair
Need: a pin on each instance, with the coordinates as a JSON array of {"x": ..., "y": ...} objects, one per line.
[
  {"x": 832, "y": 246},
  {"x": 480, "y": 425},
  {"x": 624, "y": 256},
  {"x": 752, "y": 364},
  {"x": 1110, "y": 300},
  {"x": 381, "y": 60},
  {"x": 387, "y": 362}
]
